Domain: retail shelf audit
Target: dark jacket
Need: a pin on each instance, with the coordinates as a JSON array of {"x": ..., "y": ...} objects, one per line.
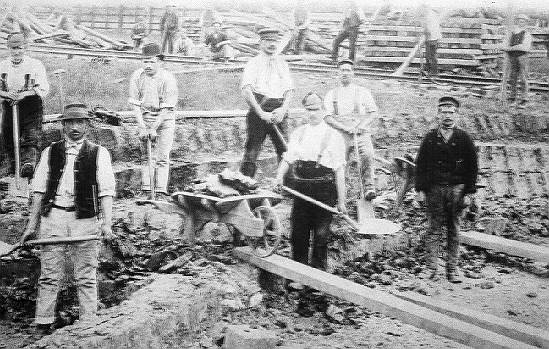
[
  {"x": 454, "y": 162},
  {"x": 86, "y": 201}
]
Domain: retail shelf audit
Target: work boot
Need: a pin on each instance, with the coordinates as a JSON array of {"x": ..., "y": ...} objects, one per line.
[
  {"x": 27, "y": 170},
  {"x": 454, "y": 277},
  {"x": 43, "y": 329}
]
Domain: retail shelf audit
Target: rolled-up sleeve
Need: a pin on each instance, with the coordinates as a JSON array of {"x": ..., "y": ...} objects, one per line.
[
  {"x": 287, "y": 82},
  {"x": 291, "y": 155},
  {"x": 42, "y": 172},
  {"x": 329, "y": 103},
  {"x": 134, "y": 89},
  {"x": 170, "y": 93},
  {"x": 105, "y": 175},
  {"x": 337, "y": 151},
  {"x": 368, "y": 104},
  {"x": 249, "y": 74},
  {"x": 41, "y": 84}
]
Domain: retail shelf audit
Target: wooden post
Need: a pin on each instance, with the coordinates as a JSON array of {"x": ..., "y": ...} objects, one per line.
[
  {"x": 92, "y": 16},
  {"x": 78, "y": 14},
  {"x": 150, "y": 14}
]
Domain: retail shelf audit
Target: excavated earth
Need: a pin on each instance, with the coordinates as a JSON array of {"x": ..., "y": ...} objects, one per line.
[{"x": 140, "y": 269}]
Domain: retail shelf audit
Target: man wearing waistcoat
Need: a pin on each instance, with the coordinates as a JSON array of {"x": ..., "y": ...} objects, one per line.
[
  {"x": 446, "y": 175},
  {"x": 351, "y": 109},
  {"x": 267, "y": 87},
  {"x": 169, "y": 24},
  {"x": 23, "y": 82},
  {"x": 74, "y": 182},
  {"x": 518, "y": 44}
]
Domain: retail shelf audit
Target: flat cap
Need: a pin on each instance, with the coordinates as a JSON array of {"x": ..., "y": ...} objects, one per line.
[
  {"x": 151, "y": 50},
  {"x": 345, "y": 61},
  {"x": 269, "y": 33},
  {"x": 312, "y": 101},
  {"x": 522, "y": 16},
  {"x": 76, "y": 111},
  {"x": 448, "y": 100},
  {"x": 16, "y": 40}
]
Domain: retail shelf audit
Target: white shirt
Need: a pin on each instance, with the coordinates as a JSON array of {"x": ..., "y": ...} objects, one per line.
[
  {"x": 306, "y": 143},
  {"x": 348, "y": 98},
  {"x": 65, "y": 190},
  {"x": 16, "y": 75},
  {"x": 159, "y": 90},
  {"x": 431, "y": 26},
  {"x": 267, "y": 75}
]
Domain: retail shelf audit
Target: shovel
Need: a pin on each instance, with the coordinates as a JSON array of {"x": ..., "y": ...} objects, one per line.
[
  {"x": 6, "y": 249},
  {"x": 20, "y": 187},
  {"x": 365, "y": 209},
  {"x": 151, "y": 169},
  {"x": 372, "y": 226}
]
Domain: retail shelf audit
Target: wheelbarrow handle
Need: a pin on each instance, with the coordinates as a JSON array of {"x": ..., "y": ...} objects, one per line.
[
  {"x": 63, "y": 240},
  {"x": 347, "y": 219}
]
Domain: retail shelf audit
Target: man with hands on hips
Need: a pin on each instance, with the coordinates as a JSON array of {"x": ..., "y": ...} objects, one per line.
[{"x": 74, "y": 181}]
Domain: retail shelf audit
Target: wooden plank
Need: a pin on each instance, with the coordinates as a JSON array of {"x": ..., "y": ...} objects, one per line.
[
  {"x": 382, "y": 302},
  {"x": 511, "y": 247},
  {"x": 465, "y": 51},
  {"x": 443, "y": 61},
  {"x": 414, "y": 39},
  {"x": 521, "y": 332}
]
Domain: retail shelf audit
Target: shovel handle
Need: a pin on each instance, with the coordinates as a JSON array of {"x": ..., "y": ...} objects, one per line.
[
  {"x": 63, "y": 240},
  {"x": 347, "y": 219}
]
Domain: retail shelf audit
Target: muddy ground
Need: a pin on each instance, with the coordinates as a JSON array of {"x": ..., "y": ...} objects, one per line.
[{"x": 505, "y": 286}]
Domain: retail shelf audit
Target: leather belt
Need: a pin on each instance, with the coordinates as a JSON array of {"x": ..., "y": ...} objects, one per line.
[{"x": 68, "y": 209}]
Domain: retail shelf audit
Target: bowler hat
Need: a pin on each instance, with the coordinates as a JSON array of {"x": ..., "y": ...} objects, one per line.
[
  {"x": 76, "y": 111},
  {"x": 522, "y": 16},
  {"x": 312, "y": 101},
  {"x": 16, "y": 40},
  {"x": 448, "y": 100}
]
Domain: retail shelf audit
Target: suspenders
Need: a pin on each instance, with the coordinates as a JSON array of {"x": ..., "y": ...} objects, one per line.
[{"x": 336, "y": 97}]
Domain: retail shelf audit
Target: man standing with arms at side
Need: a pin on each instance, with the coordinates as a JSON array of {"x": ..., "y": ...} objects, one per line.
[
  {"x": 23, "y": 82},
  {"x": 267, "y": 88},
  {"x": 433, "y": 34},
  {"x": 353, "y": 17},
  {"x": 446, "y": 175},
  {"x": 153, "y": 95},
  {"x": 74, "y": 179},
  {"x": 351, "y": 109},
  {"x": 169, "y": 24},
  {"x": 518, "y": 44}
]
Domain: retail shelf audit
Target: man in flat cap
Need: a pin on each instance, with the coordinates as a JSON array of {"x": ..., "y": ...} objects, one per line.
[
  {"x": 154, "y": 95},
  {"x": 220, "y": 45},
  {"x": 169, "y": 24},
  {"x": 517, "y": 45},
  {"x": 23, "y": 82},
  {"x": 446, "y": 174},
  {"x": 351, "y": 109},
  {"x": 74, "y": 181},
  {"x": 267, "y": 87},
  {"x": 353, "y": 17}
]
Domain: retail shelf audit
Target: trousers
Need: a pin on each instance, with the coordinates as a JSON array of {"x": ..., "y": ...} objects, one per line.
[
  {"x": 518, "y": 66},
  {"x": 366, "y": 154},
  {"x": 431, "y": 62},
  {"x": 444, "y": 206},
  {"x": 258, "y": 130},
  {"x": 352, "y": 34},
  {"x": 167, "y": 41},
  {"x": 60, "y": 223},
  {"x": 160, "y": 157}
]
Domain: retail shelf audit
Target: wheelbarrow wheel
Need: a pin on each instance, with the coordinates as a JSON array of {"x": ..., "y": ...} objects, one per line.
[{"x": 272, "y": 232}]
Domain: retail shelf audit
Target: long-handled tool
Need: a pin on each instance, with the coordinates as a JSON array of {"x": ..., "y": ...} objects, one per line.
[
  {"x": 6, "y": 249},
  {"x": 365, "y": 209},
  {"x": 374, "y": 226},
  {"x": 16, "y": 150},
  {"x": 58, "y": 74},
  {"x": 151, "y": 169}
]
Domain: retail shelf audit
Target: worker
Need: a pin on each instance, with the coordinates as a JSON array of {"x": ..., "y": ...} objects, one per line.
[
  {"x": 268, "y": 88},
  {"x": 23, "y": 82},
  {"x": 139, "y": 33},
  {"x": 301, "y": 29},
  {"x": 351, "y": 109},
  {"x": 154, "y": 95},
  {"x": 315, "y": 165},
  {"x": 169, "y": 24},
  {"x": 220, "y": 45},
  {"x": 517, "y": 45},
  {"x": 183, "y": 45},
  {"x": 353, "y": 17},
  {"x": 446, "y": 175},
  {"x": 433, "y": 34},
  {"x": 74, "y": 182}
]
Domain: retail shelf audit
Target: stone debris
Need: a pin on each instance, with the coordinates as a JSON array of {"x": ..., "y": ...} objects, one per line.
[{"x": 245, "y": 337}]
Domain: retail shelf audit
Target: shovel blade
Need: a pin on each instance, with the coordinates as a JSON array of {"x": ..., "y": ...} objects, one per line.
[
  {"x": 378, "y": 226},
  {"x": 365, "y": 210}
]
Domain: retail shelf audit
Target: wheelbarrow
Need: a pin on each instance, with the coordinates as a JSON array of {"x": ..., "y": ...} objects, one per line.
[
  {"x": 250, "y": 215},
  {"x": 6, "y": 249}
]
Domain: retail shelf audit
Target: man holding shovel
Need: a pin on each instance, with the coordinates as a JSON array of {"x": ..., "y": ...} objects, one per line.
[
  {"x": 23, "y": 84},
  {"x": 267, "y": 88},
  {"x": 153, "y": 94},
  {"x": 74, "y": 181},
  {"x": 351, "y": 109}
]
